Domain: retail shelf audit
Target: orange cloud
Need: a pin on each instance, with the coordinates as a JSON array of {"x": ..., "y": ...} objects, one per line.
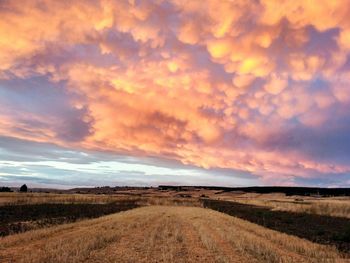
[{"x": 207, "y": 84}]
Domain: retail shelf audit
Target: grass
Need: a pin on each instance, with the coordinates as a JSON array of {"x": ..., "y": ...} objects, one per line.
[
  {"x": 332, "y": 208},
  {"x": 173, "y": 229},
  {"x": 162, "y": 234},
  {"x": 21, "y": 212},
  {"x": 316, "y": 228},
  {"x": 20, "y": 218},
  {"x": 51, "y": 198},
  {"x": 329, "y": 206},
  {"x": 337, "y": 207}
]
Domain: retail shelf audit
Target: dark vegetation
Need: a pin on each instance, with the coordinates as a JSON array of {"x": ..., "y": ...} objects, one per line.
[
  {"x": 302, "y": 191},
  {"x": 23, "y": 188},
  {"x": 316, "y": 228},
  {"x": 305, "y": 191},
  {"x": 20, "y": 218},
  {"x": 5, "y": 189}
]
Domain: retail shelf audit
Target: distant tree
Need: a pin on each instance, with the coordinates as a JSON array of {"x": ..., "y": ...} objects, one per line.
[
  {"x": 23, "y": 188},
  {"x": 5, "y": 189}
]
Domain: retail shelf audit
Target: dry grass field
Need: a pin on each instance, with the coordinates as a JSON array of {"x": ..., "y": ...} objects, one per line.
[
  {"x": 152, "y": 198},
  {"x": 172, "y": 226},
  {"x": 16, "y": 198},
  {"x": 329, "y": 206},
  {"x": 162, "y": 234}
]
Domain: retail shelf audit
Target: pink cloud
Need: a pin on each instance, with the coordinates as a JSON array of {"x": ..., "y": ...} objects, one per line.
[{"x": 206, "y": 84}]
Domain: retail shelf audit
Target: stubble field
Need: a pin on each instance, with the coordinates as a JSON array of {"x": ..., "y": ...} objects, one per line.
[{"x": 163, "y": 227}]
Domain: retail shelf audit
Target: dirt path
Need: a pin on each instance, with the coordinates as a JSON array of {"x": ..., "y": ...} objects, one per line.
[{"x": 162, "y": 234}]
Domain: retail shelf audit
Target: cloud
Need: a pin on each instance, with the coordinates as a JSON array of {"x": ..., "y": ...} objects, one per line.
[
  {"x": 248, "y": 86},
  {"x": 48, "y": 165},
  {"x": 37, "y": 109},
  {"x": 275, "y": 84}
]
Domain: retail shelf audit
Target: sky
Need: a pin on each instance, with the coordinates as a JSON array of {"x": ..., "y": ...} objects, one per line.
[{"x": 127, "y": 92}]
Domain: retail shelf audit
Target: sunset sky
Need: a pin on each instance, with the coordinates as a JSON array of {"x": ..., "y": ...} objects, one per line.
[{"x": 229, "y": 93}]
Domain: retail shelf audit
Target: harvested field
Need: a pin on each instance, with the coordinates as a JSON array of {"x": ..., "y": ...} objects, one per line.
[
  {"x": 163, "y": 234},
  {"x": 338, "y": 206},
  {"x": 316, "y": 228},
  {"x": 53, "y": 198},
  {"x": 23, "y": 212},
  {"x": 140, "y": 197},
  {"x": 20, "y": 218}
]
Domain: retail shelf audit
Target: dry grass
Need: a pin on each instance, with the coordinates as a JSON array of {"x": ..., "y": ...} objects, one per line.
[
  {"x": 170, "y": 201},
  {"x": 51, "y": 198},
  {"x": 162, "y": 234},
  {"x": 266, "y": 245},
  {"x": 338, "y": 206}
]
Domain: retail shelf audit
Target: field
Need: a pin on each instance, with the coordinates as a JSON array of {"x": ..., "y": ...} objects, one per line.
[
  {"x": 169, "y": 226},
  {"x": 331, "y": 206},
  {"x": 162, "y": 234}
]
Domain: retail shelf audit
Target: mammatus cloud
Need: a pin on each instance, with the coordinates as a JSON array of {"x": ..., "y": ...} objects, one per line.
[{"x": 255, "y": 86}]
